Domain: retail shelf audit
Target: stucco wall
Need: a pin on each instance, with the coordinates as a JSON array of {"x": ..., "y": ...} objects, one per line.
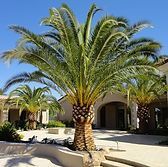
[
  {"x": 45, "y": 116},
  {"x": 68, "y": 110}
]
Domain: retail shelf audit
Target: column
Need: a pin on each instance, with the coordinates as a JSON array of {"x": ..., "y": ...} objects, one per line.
[{"x": 133, "y": 107}]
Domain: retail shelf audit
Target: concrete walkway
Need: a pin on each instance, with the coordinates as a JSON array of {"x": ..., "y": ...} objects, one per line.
[{"x": 140, "y": 148}]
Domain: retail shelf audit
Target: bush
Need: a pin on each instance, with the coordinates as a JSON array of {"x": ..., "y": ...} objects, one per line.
[
  {"x": 69, "y": 123},
  {"x": 21, "y": 124},
  {"x": 8, "y": 133},
  {"x": 55, "y": 124},
  {"x": 40, "y": 125}
]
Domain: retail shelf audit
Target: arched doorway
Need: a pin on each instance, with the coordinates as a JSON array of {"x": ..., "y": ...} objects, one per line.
[{"x": 113, "y": 116}]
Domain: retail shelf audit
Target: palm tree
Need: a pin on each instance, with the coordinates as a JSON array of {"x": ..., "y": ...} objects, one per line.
[
  {"x": 143, "y": 89},
  {"x": 81, "y": 60},
  {"x": 1, "y": 91},
  {"x": 2, "y": 101},
  {"x": 33, "y": 101}
]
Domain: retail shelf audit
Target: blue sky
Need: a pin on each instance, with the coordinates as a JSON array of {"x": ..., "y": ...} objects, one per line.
[{"x": 28, "y": 13}]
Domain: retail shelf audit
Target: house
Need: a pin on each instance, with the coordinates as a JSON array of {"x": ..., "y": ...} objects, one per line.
[
  {"x": 12, "y": 114},
  {"x": 111, "y": 112}
]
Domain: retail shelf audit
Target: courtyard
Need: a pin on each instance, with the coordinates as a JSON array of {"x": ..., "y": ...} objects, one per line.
[{"x": 139, "y": 148}]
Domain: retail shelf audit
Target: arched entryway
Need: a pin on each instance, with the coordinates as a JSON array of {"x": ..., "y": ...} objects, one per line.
[{"x": 113, "y": 116}]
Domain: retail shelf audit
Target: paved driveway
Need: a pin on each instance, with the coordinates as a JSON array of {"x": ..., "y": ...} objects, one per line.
[{"x": 141, "y": 148}]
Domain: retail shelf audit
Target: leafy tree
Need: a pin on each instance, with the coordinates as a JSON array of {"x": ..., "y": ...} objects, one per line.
[
  {"x": 33, "y": 101},
  {"x": 143, "y": 89},
  {"x": 81, "y": 60}
]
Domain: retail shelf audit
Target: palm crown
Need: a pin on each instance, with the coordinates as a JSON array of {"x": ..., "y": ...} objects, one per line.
[
  {"x": 83, "y": 63},
  {"x": 143, "y": 89},
  {"x": 33, "y": 101},
  {"x": 81, "y": 60}
]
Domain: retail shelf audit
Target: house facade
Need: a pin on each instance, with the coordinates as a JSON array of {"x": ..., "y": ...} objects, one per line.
[
  {"x": 12, "y": 114},
  {"x": 111, "y": 111}
]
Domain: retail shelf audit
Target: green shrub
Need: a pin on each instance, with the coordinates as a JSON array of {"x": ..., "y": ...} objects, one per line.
[
  {"x": 55, "y": 124},
  {"x": 69, "y": 123},
  {"x": 8, "y": 133},
  {"x": 40, "y": 125},
  {"x": 21, "y": 124}
]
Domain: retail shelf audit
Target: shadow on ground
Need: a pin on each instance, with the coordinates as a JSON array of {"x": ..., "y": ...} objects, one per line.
[
  {"x": 16, "y": 160},
  {"x": 105, "y": 131},
  {"x": 26, "y": 160},
  {"x": 130, "y": 138}
]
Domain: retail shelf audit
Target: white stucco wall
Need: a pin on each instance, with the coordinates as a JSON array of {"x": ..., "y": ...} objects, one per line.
[
  {"x": 68, "y": 110},
  {"x": 5, "y": 115},
  {"x": 45, "y": 116}
]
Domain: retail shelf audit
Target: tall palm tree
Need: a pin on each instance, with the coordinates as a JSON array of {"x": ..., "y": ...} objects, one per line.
[
  {"x": 143, "y": 89},
  {"x": 82, "y": 60},
  {"x": 33, "y": 101}
]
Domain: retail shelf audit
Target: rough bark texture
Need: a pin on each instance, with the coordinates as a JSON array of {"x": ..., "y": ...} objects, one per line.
[
  {"x": 83, "y": 118},
  {"x": 143, "y": 115},
  {"x": 32, "y": 120}
]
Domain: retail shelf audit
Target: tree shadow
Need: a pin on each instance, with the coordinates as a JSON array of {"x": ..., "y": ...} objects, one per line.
[
  {"x": 132, "y": 138},
  {"x": 15, "y": 160},
  {"x": 106, "y": 131}
]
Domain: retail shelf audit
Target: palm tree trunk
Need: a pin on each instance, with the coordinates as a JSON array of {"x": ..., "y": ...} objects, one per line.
[
  {"x": 32, "y": 120},
  {"x": 143, "y": 115},
  {"x": 83, "y": 118}
]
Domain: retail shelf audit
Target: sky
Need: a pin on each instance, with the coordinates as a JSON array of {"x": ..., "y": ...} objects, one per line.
[{"x": 28, "y": 13}]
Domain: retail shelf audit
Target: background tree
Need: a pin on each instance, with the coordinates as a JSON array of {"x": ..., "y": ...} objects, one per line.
[
  {"x": 143, "y": 89},
  {"x": 1, "y": 100},
  {"x": 1, "y": 91},
  {"x": 33, "y": 101},
  {"x": 81, "y": 60},
  {"x": 1, "y": 104}
]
